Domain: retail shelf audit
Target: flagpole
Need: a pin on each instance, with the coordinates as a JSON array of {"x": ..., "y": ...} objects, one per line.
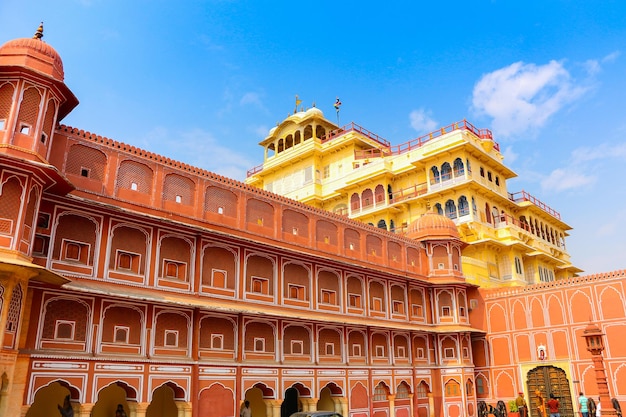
[{"x": 337, "y": 105}]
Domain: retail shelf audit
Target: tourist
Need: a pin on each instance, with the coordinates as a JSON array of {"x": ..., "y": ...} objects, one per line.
[
  {"x": 245, "y": 411},
  {"x": 66, "y": 410},
  {"x": 553, "y": 406},
  {"x": 583, "y": 402},
  {"x": 520, "y": 402},
  {"x": 119, "y": 412}
]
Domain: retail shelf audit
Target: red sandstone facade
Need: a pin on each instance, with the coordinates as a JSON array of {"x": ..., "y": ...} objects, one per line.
[{"x": 127, "y": 277}]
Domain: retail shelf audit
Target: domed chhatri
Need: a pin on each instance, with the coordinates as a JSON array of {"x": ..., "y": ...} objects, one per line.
[
  {"x": 34, "y": 54},
  {"x": 432, "y": 225}
]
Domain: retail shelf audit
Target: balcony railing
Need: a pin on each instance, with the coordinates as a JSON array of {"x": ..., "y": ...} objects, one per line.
[
  {"x": 524, "y": 196},
  {"x": 409, "y": 192},
  {"x": 353, "y": 127},
  {"x": 397, "y": 149}
]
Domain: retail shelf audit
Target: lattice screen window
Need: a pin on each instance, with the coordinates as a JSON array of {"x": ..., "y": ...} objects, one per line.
[
  {"x": 64, "y": 329},
  {"x": 179, "y": 189},
  {"x": 296, "y": 223},
  {"x": 6, "y": 100},
  {"x": 380, "y": 393},
  {"x": 120, "y": 334},
  {"x": 259, "y": 344},
  {"x": 220, "y": 200},
  {"x": 171, "y": 338},
  {"x": 351, "y": 239},
  {"x": 48, "y": 123},
  {"x": 14, "y": 309},
  {"x": 217, "y": 341},
  {"x": 29, "y": 110},
  {"x": 402, "y": 392},
  {"x": 87, "y": 162},
  {"x": 297, "y": 347},
  {"x": 400, "y": 352},
  {"x": 135, "y": 176},
  {"x": 326, "y": 232},
  {"x": 260, "y": 212},
  {"x": 10, "y": 199}
]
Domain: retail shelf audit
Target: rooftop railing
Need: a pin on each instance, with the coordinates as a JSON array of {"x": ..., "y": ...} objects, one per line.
[
  {"x": 353, "y": 127},
  {"x": 524, "y": 196},
  {"x": 396, "y": 149}
]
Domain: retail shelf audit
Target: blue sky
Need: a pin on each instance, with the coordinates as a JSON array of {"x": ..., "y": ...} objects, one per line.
[{"x": 204, "y": 81}]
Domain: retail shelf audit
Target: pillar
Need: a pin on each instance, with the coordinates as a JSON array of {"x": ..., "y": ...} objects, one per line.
[
  {"x": 137, "y": 409},
  {"x": 431, "y": 405},
  {"x": 392, "y": 404},
  {"x": 272, "y": 408},
  {"x": 83, "y": 410},
  {"x": 184, "y": 408},
  {"x": 308, "y": 404}
]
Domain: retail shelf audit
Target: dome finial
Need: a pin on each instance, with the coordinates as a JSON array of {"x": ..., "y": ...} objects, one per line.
[{"x": 39, "y": 33}]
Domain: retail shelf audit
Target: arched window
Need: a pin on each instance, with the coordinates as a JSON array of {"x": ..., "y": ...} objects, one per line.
[
  {"x": 450, "y": 209},
  {"x": 463, "y": 206},
  {"x": 439, "y": 209},
  {"x": 435, "y": 179},
  {"x": 392, "y": 226},
  {"x": 382, "y": 224},
  {"x": 495, "y": 215},
  {"x": 474, "y": 209},
  {"x": 459, "y": 169},
  {"x": 446, "y": 172}
]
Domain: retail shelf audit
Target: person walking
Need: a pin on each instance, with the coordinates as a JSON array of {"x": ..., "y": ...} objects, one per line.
[
  {"x": 583, "y": 403},
  {"x": 553, "y": 406}
]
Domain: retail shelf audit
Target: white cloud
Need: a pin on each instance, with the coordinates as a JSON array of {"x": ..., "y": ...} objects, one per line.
[
  {"x": 251, "y": 98},
  {"x": 200, "y": 149},
  {"x": 601, "y": 151},
  {"x": 564, "y": 179},
  {"x": 509, "y": 155},
  {"x": 261, "y": 131},
  {"x": 421, "y": 121},
  {"x": 612, "y": 57},
  {"x": 522, "y": 97}
]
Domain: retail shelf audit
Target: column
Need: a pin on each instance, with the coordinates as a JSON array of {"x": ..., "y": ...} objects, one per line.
[
  {"x": 83, "y": 410},
  {"x": 412, "y": 404},
  {"x": 341, "y": 406},
  {"x": 308, "y": 404},
  {"x": 137, "y": 409},
  {"x": 272, "y": 408},
  {"x": 184, "y": 408},
  {"x": 391, "y": 399},
  {"x": 431, "y": 404}
]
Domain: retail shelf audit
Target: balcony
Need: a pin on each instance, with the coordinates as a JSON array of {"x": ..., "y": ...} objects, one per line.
[{"x": 523, "y": 196}]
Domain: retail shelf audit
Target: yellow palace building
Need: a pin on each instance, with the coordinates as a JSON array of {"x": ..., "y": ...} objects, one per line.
[{"x": 513, "y": 238}]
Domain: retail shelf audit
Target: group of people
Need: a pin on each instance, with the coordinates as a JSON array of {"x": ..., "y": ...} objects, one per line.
[
  {"x": 552, "y": 406},
  {"x": 66, "y": 409}
]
